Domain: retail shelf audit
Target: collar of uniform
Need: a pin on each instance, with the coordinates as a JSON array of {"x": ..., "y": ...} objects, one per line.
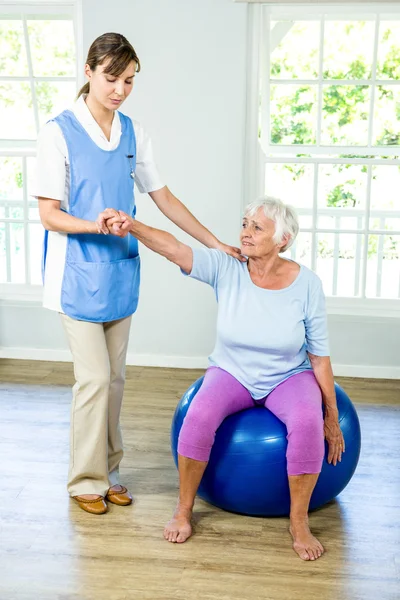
[{"x": 85, "y": 117}]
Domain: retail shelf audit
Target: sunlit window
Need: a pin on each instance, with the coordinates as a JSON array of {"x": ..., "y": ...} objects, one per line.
[
  {"x": 329, "y": 133},
  {"x": 37, "y": 81}
]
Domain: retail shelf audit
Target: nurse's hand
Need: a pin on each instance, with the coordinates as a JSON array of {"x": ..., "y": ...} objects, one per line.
[
  {"x": 119, "y": 224},
  {"x": 101, "y": 221},
  {"x": 231, "y": 250}
]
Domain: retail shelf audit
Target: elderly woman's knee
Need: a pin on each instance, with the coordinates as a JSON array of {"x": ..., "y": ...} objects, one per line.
[
  {"x": 308, "y": 425},
  {"x": 198, "y": 423}
]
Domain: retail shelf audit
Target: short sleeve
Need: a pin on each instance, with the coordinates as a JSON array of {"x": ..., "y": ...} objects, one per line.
[
  {"x": 209, "y": 266},
  {"x": 146, "y": 173},
  {"x": 51, "y": 157},
  {"x": 315, "y": 321}
]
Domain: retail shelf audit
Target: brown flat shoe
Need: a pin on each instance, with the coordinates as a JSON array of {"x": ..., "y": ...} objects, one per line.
[
  {"x": 122, "y": 498},
  {"x": 97, "y": 506}
]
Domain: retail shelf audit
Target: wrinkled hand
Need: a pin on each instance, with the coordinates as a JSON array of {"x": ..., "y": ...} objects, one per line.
[
  {"x": 101, "y": 221},
  {"x": 119, "y": 224},
  {"x": 232, "y": 251},
  {"x": 334, "y": 437}
]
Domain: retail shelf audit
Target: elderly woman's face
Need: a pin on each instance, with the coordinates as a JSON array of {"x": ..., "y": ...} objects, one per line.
[{"x": 256, "y": 237}]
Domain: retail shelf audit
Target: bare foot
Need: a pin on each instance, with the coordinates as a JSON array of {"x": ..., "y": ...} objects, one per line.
[
  {"x": 304, "y": 543},
  {"x": 179, "y": 529}
]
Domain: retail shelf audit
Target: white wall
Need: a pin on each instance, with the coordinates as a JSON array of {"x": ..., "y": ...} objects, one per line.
[{"x": 190, "y": 96}]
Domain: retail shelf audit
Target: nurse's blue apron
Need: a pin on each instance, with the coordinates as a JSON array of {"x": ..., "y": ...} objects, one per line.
[{"x": 101, "y": 272}]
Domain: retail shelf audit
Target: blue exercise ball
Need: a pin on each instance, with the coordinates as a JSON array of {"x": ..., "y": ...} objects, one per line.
[{"x": 247, "y": 469}]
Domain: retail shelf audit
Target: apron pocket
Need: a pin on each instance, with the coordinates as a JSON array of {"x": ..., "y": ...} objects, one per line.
[{"x": 101, "y": 291}]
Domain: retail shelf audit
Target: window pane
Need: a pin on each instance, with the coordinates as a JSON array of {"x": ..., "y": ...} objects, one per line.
[
  {"x": 345, "y": 113},
  {"x": 325, "y": 252},
  {"x": 385, "y": 187},
  {"x": 343, "y": 187},
  {"x": 13, "y": 210},
  {"x": 305, "y": 221},
  {"x": 348, "y": 49},
  {"x": 388, "y": 66},
  {"x": 52, "y": 48},
  {"x": 296, "y": 57},
  {"x": 349, "y": 265},
  {"x": 383, "y": 271},
  {"x": 336, "y": 221},
  {"x": 382, "y": 222},
  {"x": 13, "y": 61},
  {"x": 292, "y": 183},
  {"x": 387, "y": 116},
  {"x": 11, "y": 186},
  {"x": 31, "y": 173},
  {"x": 293, "y": 114},
  {"x": 385, "y": 199},
  {"x": 33, "y": 210},
  {"x": 16, "y": 111},
  {"x": 53, "y": 98},
  {"x": 31, "y": 176},
  {"x": 300, "y": 251},
  {"x": 3, "y": 259},
  {"x": 17, "y": 248},
  {"x": 36, "y": 233},
  {"x": 339, "y": 259}
]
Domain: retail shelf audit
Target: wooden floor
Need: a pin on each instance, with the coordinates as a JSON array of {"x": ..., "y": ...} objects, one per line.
[{"x": 50, "y": 549}]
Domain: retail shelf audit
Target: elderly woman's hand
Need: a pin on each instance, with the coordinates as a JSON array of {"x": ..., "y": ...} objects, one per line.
[
  {"x": 231, "y": 250},
  {"x": 104, "y": 217},
  {"x": 334, "y": 436}
]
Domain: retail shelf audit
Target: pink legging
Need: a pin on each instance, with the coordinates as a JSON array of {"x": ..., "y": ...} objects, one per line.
[{"x": 297, "y": 402}]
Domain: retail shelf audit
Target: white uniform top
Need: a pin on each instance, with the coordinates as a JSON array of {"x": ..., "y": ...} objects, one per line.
[{"x": 53, "y": 181}]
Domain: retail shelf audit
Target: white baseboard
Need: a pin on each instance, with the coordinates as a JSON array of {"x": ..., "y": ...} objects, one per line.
[
  {"x": 191, "y": 362},
  {"x": 173, "y": 362},
  {"x": 36, "y": 354},
  {"x": 367, "y": 371},
  {"x": 139, "y": 360}
]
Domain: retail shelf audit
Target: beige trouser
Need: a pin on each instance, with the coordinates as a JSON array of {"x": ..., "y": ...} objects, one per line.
[{"x": 99, "y": 354}]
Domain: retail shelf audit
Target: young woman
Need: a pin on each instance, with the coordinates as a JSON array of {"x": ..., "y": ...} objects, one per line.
[{"x": 87, "y": 160}]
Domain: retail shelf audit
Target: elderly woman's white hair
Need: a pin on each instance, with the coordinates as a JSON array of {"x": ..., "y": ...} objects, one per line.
[{"x": 283, "y": 215}]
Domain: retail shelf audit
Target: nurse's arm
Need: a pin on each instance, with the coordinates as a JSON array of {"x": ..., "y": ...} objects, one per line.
[
  {"x": 179, "y": 214},
  {"x": 55, "y": 219},
  {"x": 161, "y": 242}
]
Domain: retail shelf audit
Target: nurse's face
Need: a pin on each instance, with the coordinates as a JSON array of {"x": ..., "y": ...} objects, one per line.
[{"x": 108, "y": 90}]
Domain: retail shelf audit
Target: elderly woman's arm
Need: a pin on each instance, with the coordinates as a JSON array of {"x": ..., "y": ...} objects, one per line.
[
  {"x": 179, "y": 214},
  {"x": 157, "y": 240},
  {"x": 322, "y": 368}
]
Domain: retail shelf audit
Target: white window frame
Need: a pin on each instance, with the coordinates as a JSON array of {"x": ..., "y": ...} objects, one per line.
[
  {"x": 258, "y": 56},
  {"x": 27, "y": 148}
]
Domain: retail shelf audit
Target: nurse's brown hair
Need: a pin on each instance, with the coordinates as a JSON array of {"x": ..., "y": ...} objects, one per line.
[{"x": 116, "y": 49}]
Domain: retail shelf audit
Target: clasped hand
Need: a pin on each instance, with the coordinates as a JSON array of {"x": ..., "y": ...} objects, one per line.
[{"x": 114, "y": 222}]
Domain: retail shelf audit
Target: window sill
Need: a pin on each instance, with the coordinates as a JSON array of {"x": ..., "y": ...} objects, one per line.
[
  {"x": 363, "y": 307},
  {"x": 15, "y": 294}
]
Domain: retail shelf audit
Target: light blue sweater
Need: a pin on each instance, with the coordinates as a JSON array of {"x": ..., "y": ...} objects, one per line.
[{"x": 262, "y": 335}]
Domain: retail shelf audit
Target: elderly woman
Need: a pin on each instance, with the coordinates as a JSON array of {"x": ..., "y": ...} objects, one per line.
[{"x": 271, "y": 349}]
